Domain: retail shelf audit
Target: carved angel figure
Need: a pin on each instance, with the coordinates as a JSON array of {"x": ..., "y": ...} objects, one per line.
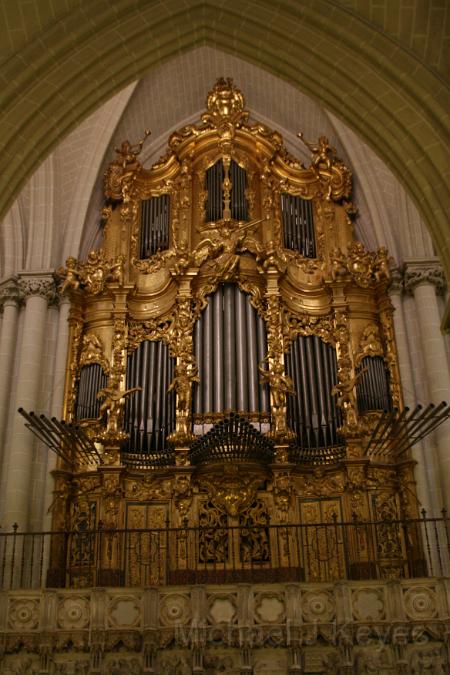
[
  {"x": 127, "y": 153},
  {"x": 280, "y": 384},
  {"x": 322, "y": 152},
  {"x": 72, "y": 275},
  {"x": 113, "y": 405},
  {"x": 338, "y": 264},
  {"x": 222, "y": 248},
  {"x": 185, "y": 373},
  {"x": 345, "y": 391}
]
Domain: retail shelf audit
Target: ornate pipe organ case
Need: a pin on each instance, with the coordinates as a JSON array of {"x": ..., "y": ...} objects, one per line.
[{"x": 231, "y": 349}]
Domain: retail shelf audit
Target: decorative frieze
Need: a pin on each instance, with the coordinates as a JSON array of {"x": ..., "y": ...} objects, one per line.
[{"x": 361, "y": 626}]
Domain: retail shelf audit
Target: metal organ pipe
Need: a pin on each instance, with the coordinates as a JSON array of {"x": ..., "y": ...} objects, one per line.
[
  {"x": 230, "y": 341},
  {"x": 218, "y": 349},
  {"x": 241, "y": 353},
  {"x": 229, "y": 347},
  {"x": 252, "y": 355},
  {"x": 155, "y": 220},
  {"x": 312, "y": 365},
  {"x": 298, "y": 225},
  {"x": 373, "y": 390},
  {"x": 150, "y": 413},
  {"x": 92, "y": 379}
]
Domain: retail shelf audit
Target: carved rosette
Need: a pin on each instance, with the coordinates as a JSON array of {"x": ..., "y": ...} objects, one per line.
[{"x": 427, "y": 272}]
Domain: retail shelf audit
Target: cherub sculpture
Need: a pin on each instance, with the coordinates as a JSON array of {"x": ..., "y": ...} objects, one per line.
[{"x": 113, "y": 405}]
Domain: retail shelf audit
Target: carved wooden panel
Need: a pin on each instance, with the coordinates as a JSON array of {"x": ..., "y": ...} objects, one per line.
[
  {"x": 322, "y": 540},
  {"x": 146, "y": 552}
]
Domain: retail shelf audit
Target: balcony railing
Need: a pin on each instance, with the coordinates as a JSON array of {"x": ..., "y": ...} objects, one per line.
[{"x": 322, "y": 552}]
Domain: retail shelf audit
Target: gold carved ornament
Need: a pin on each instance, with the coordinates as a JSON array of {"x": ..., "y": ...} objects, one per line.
[
  {"x": 93, "y": 274},
  {"x": 365, "y": 268},
  {"x": 331, "y": 171},
  {"x": 280, "y": 384}
]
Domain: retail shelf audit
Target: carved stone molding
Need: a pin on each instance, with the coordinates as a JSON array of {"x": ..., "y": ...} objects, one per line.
[
  {"x": 424, "y": 272},
  {"x": 38, "y": 284},
  {"x": 396, "y": 285},
  {"x": 10, "y": 293}
]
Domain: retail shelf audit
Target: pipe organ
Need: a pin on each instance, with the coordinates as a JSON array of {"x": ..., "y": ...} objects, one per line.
[
  {"x": 231, "y": 345},
  {"x": 230, "y": 341}
]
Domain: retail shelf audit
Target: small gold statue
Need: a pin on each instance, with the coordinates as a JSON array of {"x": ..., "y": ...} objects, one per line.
[
  {"x": 323, "y": 153},
  {"x": 113, "y": 405},
  {"x": 73, "y": 277}
]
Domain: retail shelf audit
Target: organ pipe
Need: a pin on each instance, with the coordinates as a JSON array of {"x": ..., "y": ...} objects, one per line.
[
  {"x": 150, "y": 414},
  {"x": 214, "y": 178},
  {"x": 92, "y": 379},
  {"x": 230, "y": 342},
  {"x": 155, "y": 219},
  {"x": 373, "y": 390},
  {"x": 312, "y": 414},
  {"x": 298, "y": 225}
]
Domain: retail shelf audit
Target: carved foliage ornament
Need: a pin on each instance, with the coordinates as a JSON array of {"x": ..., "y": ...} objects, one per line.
[
  {"x": 370, "y": 343},
  {"x": 92, "y": 352},
  {"x": 424, "y": 273},
  {"x": 366, "y": 268},
  {"x": 43, "y": 286},
  {"x": 331, "y": 171}
]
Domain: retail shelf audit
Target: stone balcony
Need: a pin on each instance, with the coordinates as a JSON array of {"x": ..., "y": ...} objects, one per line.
[{"x": 381, "y": 627}]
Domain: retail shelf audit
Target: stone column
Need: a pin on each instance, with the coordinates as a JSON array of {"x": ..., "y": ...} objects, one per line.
[
  {"x": 59, "y": 378},
  {"x": 9, "y": 300},
  {"x": 37, "y": 289},
  {"x": 425, "y": 472},
  {"x": 425, "y": 278}
]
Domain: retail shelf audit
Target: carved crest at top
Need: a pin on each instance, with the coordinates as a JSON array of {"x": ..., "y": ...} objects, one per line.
[{"x": 225, "y": 105}]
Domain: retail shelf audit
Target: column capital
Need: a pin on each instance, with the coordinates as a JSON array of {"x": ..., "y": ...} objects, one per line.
[
  {"x": 38, "y": 284},
  {"x": 396, "y": 282},
  {"x": 427, "y": 271},
  {"x": 10, "y": 293}
]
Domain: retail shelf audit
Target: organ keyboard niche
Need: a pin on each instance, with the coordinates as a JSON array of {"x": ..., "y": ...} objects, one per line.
[{"x": 231, "y": 337}]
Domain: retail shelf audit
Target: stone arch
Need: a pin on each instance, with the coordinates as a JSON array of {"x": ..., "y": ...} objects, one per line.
[{"x": 375, "y": 83}]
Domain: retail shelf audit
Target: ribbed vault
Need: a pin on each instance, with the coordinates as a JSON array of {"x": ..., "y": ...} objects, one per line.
[{"x": 370, "y": 79}]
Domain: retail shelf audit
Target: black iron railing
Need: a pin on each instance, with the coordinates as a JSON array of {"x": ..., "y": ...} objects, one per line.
[{"x": 321, "y": 552}]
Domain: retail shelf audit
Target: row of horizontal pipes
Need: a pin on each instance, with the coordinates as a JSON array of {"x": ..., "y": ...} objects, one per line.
[
  {"x": 298, "y": 225},
  {"x": 155, "y": 218}
]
